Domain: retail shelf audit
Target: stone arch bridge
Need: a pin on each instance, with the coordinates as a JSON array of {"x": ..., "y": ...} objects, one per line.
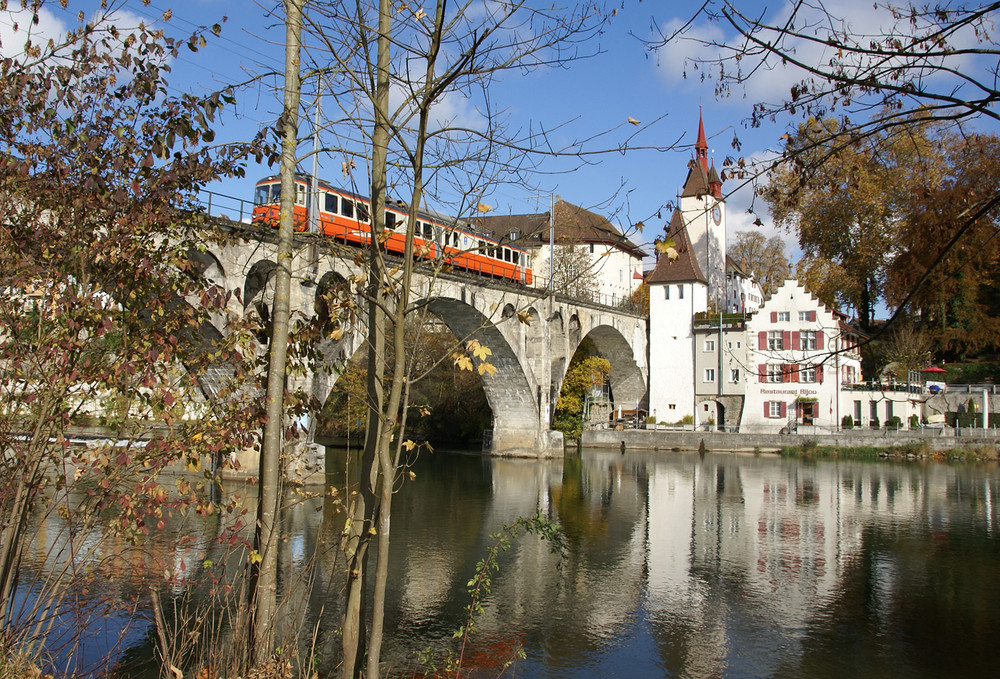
[{"x": 531, "y": 359}]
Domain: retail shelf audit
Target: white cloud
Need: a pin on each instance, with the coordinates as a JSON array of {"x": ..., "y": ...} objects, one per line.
[
  {"x": 17, "y": 29},
  {"x": 695, "y": 53}
]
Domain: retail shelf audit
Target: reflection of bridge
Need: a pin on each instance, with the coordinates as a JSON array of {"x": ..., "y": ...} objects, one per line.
[{"x": 531, "y": 358}]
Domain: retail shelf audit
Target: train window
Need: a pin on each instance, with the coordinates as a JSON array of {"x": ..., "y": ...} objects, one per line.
[
  {"x": 330, "y": 202},
  {"x": 362, "y": 212},
  {"x": 261, "y": 195},
  {"x": 390, "y": 221},
  {"x": 347, "y": 208},
  {"x": 506, "y": 255},
  {"x": 527, "y": 261},
  {"x": 516, "y": 256},
  {"x": 301, "y": 194},
  {"x": 428, "y": 231},
  {"x": 482, "y": 247}
]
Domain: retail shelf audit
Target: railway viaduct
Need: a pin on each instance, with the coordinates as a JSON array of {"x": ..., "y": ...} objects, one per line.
[{"x": 531, "y": 358}]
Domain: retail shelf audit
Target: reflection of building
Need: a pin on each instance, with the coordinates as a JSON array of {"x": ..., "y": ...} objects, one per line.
[{"x": 745, "y": 554}]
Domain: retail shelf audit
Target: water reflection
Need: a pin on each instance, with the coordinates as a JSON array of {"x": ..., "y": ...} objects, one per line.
[{"x": 677, "y": 565}]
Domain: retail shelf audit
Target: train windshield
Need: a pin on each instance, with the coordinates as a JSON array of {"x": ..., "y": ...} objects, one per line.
[{"x": 267, "y": 193}]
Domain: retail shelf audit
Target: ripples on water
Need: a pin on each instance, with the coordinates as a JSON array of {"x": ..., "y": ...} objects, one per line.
[{"x": 682, "y": 565}]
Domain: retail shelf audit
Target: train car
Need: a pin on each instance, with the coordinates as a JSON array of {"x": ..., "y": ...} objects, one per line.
[{"x": 345, "y": 216}]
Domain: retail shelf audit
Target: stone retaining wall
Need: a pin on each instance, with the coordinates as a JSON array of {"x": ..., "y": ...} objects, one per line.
[{"x": 644, "y": 439}]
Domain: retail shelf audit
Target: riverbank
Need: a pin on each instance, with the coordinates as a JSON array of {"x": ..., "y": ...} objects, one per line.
[{"x": 927, "y": 444}]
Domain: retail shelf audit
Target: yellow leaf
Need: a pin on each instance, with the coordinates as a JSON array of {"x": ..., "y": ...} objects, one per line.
[
  {"x": 485, "y": 367},
  {"x": 409, "y": 445},
  {"x": 335, "y": 334},
  {"x": 462, "y": 361},
  {"x": 524, "y": 317},
  {"x": 633, "y": 120},
  {"x": 483, "y": 208},
  {"x": 663, "y": 245},
  {"x": 255, "y": 556}
]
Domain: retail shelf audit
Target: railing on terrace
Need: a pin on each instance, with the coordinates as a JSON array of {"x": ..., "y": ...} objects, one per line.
[
  {"x": 230, "y": 207},
  {"x": 920, "y": 388},
  {"x": 712, "y": 319},
  {"x": 875, "y": 385}
]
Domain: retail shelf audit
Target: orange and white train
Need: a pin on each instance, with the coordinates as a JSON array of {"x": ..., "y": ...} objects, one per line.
[{"x": 344, "y": 216}]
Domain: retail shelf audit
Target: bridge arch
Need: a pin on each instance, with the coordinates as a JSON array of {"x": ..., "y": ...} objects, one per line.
[
  {"x": 509, "y": 393},
  {"x": 628, "y": 386}
]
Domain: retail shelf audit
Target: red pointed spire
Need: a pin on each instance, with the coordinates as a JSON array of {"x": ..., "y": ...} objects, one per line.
[{"x": 701, "y": 146}]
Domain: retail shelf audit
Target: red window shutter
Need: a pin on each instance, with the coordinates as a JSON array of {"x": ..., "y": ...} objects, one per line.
[
  {"x": 786, "y": 372},
  {"x": 762, "y": 372},
  {"x": 774, "y": 316},
  {"x": 819, "y": 339},
  {"x": 795, "y": 372},
  {"x": 784, "y": 411},
  {"x": 812, "y": 316},
  {"x": 762, "y": 340},
  {"x": 786, "y": 340},
  {"x": 795, "y": 339},
  {"x": 767, "y": 408},
  {"x": 819, "y": 373}
]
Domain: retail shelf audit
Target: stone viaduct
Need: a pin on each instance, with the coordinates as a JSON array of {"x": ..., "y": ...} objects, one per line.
[{"x": 532, "y": 358}]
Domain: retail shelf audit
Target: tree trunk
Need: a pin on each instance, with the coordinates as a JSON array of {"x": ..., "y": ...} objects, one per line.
[{"x": 264, "y": 559}]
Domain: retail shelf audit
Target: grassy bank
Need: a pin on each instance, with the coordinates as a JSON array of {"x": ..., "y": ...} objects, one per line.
[{"x": 914, "y": 451}]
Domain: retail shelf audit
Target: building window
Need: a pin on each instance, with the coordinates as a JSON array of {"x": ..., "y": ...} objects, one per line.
[
  {"x": 774, "y": 373},
  {"x": 888, "y": 411},
  {"x": 710, "y": 345},
  {"x": 807, "y": 373},
  {"x": 873, "y": 411},
  {"x": 671, "y": 406},
  {"x": 784, "y": 316},
  {"x": 680, "y": 292},
  {"x": 803, "y": 315},
  {"x": 807, "y": 339},
  {"x": 857, "y": 412},
  {"x": 734, "y": 375},
  {"x": 591, "y": 248},
  {"x": 775, "y": 340},
  {"x": 709, "y": 374},
  {"x": 774, "y": 408}
]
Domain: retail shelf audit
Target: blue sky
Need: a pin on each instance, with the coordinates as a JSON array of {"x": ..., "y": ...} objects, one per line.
[{"x": 594, "y": 96}]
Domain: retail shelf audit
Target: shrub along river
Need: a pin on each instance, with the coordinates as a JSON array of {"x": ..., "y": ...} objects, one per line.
[{"x": 677, "y": 564}]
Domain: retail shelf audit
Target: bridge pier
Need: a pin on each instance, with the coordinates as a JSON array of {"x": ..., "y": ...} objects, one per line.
[{"x": 518, "y": 442}]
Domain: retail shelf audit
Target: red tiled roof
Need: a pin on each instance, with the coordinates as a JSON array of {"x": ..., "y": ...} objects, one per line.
[{"x": 572, "y": 224}]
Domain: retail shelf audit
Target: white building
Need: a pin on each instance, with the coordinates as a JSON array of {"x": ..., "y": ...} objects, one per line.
[
  {"x": 593, "y": 258},
  {"x": 807, "y": 371},
  {"x": 800, "y": 354},
  {"x": 677, "y": 291}
]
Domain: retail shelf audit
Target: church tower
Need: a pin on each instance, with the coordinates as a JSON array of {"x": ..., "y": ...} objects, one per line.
[{"x": 704, "y": 213}]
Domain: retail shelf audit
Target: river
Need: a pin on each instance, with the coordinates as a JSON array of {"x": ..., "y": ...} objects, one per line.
[{"x": 676, "y": 565}]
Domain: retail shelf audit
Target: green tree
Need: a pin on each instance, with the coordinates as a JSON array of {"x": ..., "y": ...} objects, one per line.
[
  {"x": 587, "y": 370},
  {"x": 762, "y": 258}
]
